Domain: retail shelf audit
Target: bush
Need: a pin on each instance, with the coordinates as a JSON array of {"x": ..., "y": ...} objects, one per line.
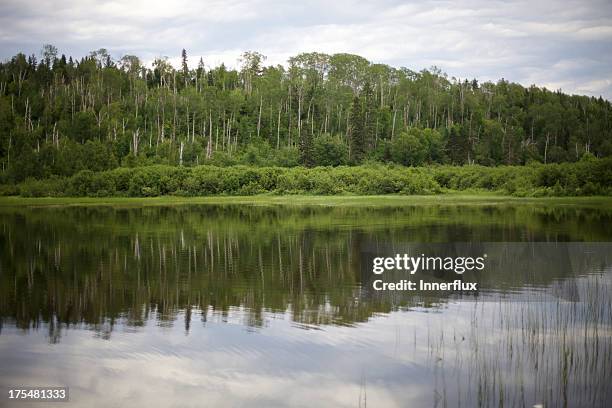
[
  {"x": 330, "y": 151},
  {"x": 53, "y": 187},
  {"x": 408, "y": 148},
  {"x": 586, "y": 177},
  {"x": 8, "y": 190},
  {"x": 287, "y": 157}
]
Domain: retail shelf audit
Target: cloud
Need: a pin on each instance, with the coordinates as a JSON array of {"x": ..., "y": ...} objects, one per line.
[{"x": 553, "y": 43}]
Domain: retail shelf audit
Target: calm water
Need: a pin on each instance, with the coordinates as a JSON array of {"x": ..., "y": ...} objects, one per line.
[{"x": 273, "y": 306}]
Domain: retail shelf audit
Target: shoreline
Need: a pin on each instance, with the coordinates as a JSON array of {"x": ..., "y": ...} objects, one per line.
[{"x": 600, "y": 202}]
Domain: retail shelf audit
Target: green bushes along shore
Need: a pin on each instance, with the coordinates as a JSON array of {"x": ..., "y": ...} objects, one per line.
[{"x": 587, "y": 177}]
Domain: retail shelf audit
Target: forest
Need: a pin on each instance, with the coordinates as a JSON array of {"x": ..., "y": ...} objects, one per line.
[{"x": 61, "y": 116}]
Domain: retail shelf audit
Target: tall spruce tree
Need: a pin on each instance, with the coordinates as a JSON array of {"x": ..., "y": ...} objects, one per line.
[
  {"x": 357, "y": 131},
  {"x": 306, "y": 148},
  {"x": 369, "y": 113},
  {"x": 184, "y": 66},
  {"x": 457, "y": 145}
]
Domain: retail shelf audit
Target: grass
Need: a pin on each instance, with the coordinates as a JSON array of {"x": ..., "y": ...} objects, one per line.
[{"x": 312, "y": 200}]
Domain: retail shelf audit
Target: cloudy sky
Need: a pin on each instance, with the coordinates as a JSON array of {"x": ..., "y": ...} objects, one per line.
[{"x": 563, "y": 44}]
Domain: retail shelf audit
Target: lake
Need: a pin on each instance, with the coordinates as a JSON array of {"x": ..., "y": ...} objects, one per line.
[{"x": 273, "y": 305}]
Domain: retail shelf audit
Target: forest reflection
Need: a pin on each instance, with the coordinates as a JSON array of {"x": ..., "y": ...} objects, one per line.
[{"x": 99, "y": 265}]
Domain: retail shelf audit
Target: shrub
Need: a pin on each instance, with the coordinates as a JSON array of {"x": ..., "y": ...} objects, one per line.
[
  {"x": 330, "y": 151},
  {"x": 586, "y": 177},
  {"x": 8, "y": 190},
  {"x": 53, "y": 187}
]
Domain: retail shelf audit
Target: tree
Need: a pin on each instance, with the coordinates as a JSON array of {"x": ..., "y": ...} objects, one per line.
[
  {"x": 130, "y": 64},
  {"x": 458, "y": 145},
  {"x": 408, "y": 148},
  {"x": 330, "y": 151},
  {"x": 370, "y": 115},
  {"x": 101, "y": 57},
  {"x": 489, "y": 151},
  {"x": 357, "y": 132},
  {"x": 250, "y": 67},
  {"x": 184, "y": 67},
  {"x": 306, "y": 150},
  {"x": 49, "y": 54},
  {"x": 433, "y": 142}
]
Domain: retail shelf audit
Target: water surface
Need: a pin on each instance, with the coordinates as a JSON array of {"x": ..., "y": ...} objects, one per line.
[{"x": 236, "y": 305}]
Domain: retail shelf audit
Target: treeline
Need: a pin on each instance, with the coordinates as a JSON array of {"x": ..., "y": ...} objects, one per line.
[
  {"x": 60, "y": 115},
  {"x": 586, "y": 177}
]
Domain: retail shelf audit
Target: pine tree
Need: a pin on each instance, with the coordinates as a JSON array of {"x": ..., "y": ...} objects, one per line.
[
  {"x": 457, "y": 145},
  {"x": 184, "y": 66},
  {"x": 369, "y": 104},
  {"x": 357, "y": 131},
  {"x": 306, "y": 148}
]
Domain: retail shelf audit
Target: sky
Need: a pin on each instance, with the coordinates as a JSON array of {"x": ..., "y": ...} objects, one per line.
[{"x": 559, "y": 44}]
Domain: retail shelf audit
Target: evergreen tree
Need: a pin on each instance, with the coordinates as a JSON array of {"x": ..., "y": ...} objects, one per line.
[
  {"x": 370, "y": 113},
  {"x": 457, "y": 145},
  {"x": 357, "y": 132},
  {"x": 184, "y": 66},
  {"x": 306, "y": 148}
]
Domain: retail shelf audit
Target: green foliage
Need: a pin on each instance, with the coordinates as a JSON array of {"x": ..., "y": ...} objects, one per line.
[
  {"x": 54, "y": 187},
  {"x": 98, "y": 156},
  {"x": 8, "y": 190},
  {"x": 222, "y": 159},
  {"x": 256, "y": 154},
  {"x": 433, "y": 142},
  {"x": 286, "y": 157},
  {"x": 306, "y": 150},
  {"x": 357, "y": 132},
  {"x": 458, "y": 146},
  {"x": 330, "y": 151},
  {"x": 587, "y": 177},
  {"x": 409, "y": 148},
  {"x": 64, "y": 116}
]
